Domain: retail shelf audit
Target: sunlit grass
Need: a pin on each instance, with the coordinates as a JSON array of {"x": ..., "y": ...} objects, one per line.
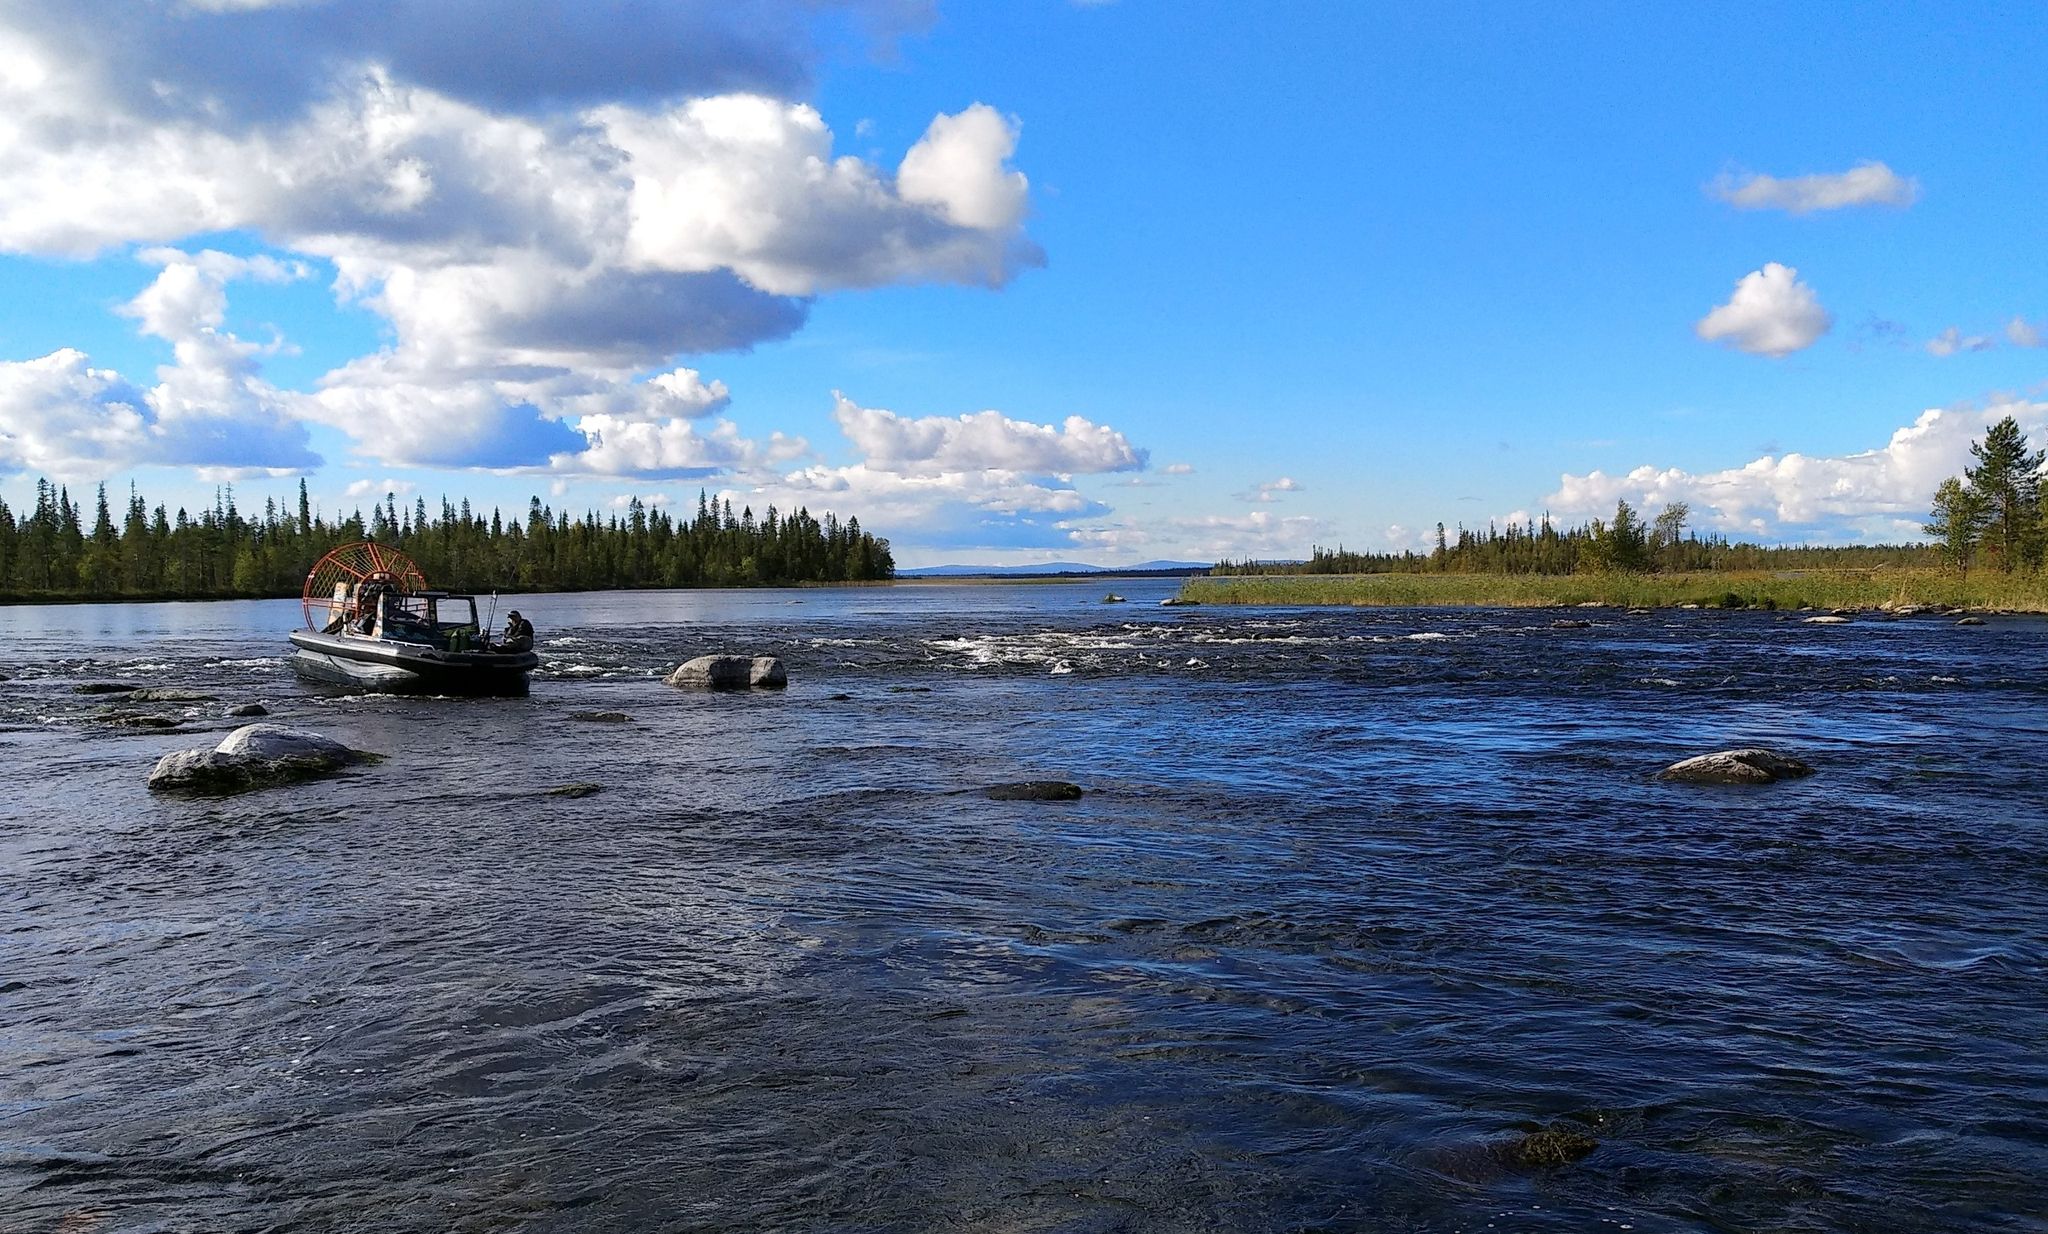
[{"x": 1783, "y": 589}]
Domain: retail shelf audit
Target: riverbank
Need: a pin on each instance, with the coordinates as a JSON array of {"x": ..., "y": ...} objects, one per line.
[{"x": 1785, "y": 589}]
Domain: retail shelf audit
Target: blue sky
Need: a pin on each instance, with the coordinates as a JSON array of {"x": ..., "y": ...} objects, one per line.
[{"x": 1030, "y": 281}]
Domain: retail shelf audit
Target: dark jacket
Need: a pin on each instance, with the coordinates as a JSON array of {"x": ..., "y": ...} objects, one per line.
[{"x": 518, "y": 635}]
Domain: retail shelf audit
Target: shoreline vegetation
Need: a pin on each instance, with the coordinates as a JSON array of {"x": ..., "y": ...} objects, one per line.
[
  {"x": 1788, "y": 590},
  {"x": 1994, "y": 513},
  {"x": 54, "y": 555}
]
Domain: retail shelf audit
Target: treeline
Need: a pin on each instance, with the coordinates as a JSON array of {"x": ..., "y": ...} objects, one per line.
[
  {"x": 55, "y": 552},
  {"x": 1625, "y": 544}
]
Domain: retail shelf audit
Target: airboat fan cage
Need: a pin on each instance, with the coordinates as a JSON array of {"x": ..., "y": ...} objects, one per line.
[{"x": 336, "y": 584}]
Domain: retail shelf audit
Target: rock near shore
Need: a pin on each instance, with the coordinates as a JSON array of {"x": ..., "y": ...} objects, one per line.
[
  {"x": 730, "y": 673},
  {"x": 1750, "y": 766},
  {"x": 253, "y": 756}
]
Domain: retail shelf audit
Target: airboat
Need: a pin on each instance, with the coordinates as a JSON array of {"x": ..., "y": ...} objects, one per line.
[{"x": 373, "y": 623}]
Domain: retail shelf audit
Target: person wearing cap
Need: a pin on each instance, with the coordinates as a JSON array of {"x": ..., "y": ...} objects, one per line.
[{"x": 518, "y": 633}]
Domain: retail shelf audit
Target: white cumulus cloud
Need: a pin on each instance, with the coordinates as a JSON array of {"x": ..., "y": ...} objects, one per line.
[
  {"x": 1771, "y": 313},
  {"x": 1881, "y": 493},
  {"x": 1866, "y": 184},
  {"x": 545, "y": 202},
  {"x": 984, "y": 440},
  {"x": 359, "y": 489},
  {"x": 983, "y": 483},
  {"x": 210, "y": 409}
]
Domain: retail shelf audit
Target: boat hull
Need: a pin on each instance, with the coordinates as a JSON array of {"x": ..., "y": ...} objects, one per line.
[{"x": 393, "y": 667}]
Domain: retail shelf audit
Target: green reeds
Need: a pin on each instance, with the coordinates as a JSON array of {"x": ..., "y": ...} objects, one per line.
[{"x": 1780, "y": 589}]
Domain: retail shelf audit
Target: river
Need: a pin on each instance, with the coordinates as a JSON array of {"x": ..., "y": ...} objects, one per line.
[{"x": 1354, "y": 901}]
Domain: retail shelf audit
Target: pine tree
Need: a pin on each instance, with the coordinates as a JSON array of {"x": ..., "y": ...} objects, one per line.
[{"x": 2007, "y": 477}]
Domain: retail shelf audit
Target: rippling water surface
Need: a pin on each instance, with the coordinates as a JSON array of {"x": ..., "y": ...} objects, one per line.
[{"x": 1354, "y": 901}]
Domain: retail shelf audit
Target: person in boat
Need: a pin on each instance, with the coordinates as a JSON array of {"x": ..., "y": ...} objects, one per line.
[
  {"x": 378, "y": 588},
  {"x": 368, "y": 605},
  {"x": 518, "y": 634}
]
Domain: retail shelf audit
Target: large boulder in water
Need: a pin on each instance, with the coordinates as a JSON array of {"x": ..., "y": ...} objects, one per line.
[
  {"x": 1737, "y": 767},
  {"x": 279, "y": 741},
  {"x": 730, "y": 673},
  {"x": 253, "y": 756}
]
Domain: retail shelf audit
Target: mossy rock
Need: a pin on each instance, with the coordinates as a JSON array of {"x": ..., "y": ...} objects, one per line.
[
  {"x": 1553, "y": 1146},
  {"x": 252, "y": 757},
  {"x": 209, "y": 773}
]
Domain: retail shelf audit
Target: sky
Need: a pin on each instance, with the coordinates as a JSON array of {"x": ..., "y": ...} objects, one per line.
[{"x": 1028, "y": 281}]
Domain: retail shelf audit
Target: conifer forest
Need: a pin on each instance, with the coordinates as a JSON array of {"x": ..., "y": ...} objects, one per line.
[{"x": 58, "y": 550}]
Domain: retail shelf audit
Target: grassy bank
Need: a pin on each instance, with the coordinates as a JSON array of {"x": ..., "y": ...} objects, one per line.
[{"x": 1784, "y": 589}]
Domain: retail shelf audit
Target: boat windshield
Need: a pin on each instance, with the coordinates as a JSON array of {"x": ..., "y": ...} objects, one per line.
[{"x": 439, "y": 621}]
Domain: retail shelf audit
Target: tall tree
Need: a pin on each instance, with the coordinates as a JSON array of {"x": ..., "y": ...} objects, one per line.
[{"x": 2007, "y": 476}]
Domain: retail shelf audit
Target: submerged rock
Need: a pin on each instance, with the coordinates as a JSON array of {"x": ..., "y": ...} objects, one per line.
[
  {"x": 601, "y": 717},
  {"x": 253, "y": 756},
  {"x": 1827, "y": 619},
  {"x": 135, "y": 719},
  {"x": 1971, "y": 621},
  {"x": 1571, "y": 624},
  {"x": 582, "y": 788},
  {"x": 1751, "y": 766},
  {"x": 730, "y": 673},
  {"x": 1554, "y": 1145},
  {"x": 104, "y": 687},
  {"x": 1034, "y": 790},
  {"x": 159, "y": 694},
  {"x": 249, "y": 709}
]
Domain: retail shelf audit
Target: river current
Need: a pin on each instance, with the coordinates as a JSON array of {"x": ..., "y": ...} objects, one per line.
[{"x": 1355, "y": 901}]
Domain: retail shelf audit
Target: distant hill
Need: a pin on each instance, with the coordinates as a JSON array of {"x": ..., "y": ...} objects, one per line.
[{"x": 1043, "y": 568}]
